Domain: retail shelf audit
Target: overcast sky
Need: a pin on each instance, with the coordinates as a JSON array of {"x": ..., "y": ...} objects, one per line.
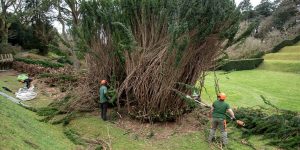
[{"x": 253, "y": 2}]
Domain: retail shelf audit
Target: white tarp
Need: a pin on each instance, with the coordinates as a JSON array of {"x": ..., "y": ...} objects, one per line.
[{"x": 25, "y": 94}]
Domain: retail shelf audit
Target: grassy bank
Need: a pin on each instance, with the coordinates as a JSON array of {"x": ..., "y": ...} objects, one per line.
[{"x": 20, "y": 129}]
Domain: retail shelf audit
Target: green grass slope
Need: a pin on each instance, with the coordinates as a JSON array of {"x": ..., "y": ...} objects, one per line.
[
  {"x": 244, "y": 88},
  {"x": 286, "y": 60},
  {"x": 20, "y": 129}
]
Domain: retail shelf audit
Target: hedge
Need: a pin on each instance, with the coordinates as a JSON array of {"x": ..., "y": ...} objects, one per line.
[
  {"x": 42, "y": 63},
  {"x": 243, "y": 64},
  {"x": 64, "y": 60},
  {"x": 285, "y": 43}
]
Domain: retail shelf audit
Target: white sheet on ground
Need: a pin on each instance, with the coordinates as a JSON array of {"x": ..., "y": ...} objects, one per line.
[{"x": 25, "y": 94}]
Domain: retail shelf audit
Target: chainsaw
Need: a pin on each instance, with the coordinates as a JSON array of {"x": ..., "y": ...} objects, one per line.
[{"x": 240, "y": 123}]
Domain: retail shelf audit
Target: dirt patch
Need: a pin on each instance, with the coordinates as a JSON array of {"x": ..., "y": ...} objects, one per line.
[
  {"x": 186, "y": 124},
  {"x": 158, "y": 131},
  {"x": 52, "y": 92},
  {"x": 8, "y": 73}
]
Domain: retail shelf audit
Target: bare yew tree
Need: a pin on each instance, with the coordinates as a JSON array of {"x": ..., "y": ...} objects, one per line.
[{"x": 146, "y": 48}]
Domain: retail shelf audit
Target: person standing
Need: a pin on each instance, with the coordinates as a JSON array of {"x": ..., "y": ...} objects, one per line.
[
  {"x": 103, "y": 99},
  {"x": 218, "y": 112}
]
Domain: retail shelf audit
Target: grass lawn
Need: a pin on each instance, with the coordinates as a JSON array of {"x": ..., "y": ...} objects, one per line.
[
  {"x": 243, "y": 88},
  {"x": 291, "y": 66},
  {"x": 286, "y": 60},
  {"x": 20, "y": 129}
]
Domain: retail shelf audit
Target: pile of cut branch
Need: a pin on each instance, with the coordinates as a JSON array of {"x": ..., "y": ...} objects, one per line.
[{"x": 281, "y": 126}]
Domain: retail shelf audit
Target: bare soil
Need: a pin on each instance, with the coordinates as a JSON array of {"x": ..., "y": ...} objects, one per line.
[{"x": 8, "y": 73}]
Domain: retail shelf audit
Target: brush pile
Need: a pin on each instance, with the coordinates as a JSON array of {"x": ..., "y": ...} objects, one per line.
[{"x": 283, "y": 127}]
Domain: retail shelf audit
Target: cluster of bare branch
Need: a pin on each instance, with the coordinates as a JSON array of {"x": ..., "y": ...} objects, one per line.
[{"x": 145, "y": 51}]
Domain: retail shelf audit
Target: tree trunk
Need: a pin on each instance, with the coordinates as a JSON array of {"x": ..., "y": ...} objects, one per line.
[
  {"x": 75, "y": 60},
  {"x": 4, "y": 25}
]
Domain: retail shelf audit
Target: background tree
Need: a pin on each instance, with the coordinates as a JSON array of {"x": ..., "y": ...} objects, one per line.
[
  {"x": 246, "y": 9},
  {"x": 68, "y": 16},
  {"x": 284, "y": 12},
  {"x": 265, "y": 8},
  {"x": 39, "y": 19},
  {"x": 4, "y": 23}
]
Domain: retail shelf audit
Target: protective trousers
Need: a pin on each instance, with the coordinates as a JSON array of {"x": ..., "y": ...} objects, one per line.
[
  {"x": 221, "y": 124},
  {"x": 103, "y": 107}
]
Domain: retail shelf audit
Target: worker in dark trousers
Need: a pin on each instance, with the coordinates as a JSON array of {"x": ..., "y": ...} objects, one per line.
[
  {"x": 103, "y": 99},
  {"x": 27, "y": 83},
  {"x": 23, "y": 78},
  {"x": 219, "y": 109}
]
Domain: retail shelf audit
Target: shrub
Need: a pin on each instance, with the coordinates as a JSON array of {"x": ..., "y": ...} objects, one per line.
[
  {"x": 9, "y": 49},
  {"x": 257, "y": 54},
  {"x": 42, "y": 63},
  {"x": 285, "y": 43},
  {"x": 243, "y": 64},
  {"x": 59, "y": 77},
  {"x": 64, "y": 60}
]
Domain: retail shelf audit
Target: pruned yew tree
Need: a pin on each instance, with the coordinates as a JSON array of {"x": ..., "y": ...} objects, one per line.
[{"x": 146, "y": 48}]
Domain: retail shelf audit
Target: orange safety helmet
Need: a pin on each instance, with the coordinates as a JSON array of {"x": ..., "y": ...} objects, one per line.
[
  {"x": 222, "y": 96},
  {"x": 102, "y": 82}
]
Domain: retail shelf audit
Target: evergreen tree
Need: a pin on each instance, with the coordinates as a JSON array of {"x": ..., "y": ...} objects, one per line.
[
  {"x": 265, "y": 8},
  {"x": 246, "y": 9},
  {"x": 284, "y": 12},
  {"x": 147, "y": 47}
]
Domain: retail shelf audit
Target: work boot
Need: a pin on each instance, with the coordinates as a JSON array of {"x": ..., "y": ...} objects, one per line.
[
  {"x": 212, "y": 135},
  {"x": 224, "y": 138}
]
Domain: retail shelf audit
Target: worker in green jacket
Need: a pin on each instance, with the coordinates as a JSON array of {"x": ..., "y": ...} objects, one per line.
[
  {"x": 103, "y": 99},
  {"x": 218, "y": 110}
]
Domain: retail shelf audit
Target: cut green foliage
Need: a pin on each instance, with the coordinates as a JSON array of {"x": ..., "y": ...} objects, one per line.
[
  {"x": 243, "y": 64},
  {"x": 66, "y": 120},
  {"x": 59, "y": 103},
  {"x": 74, "y": 137},
  {"x": 282, "y": 128},
  {"x": 46, "y": 111},
  {"x": 43, "y": 63}
]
